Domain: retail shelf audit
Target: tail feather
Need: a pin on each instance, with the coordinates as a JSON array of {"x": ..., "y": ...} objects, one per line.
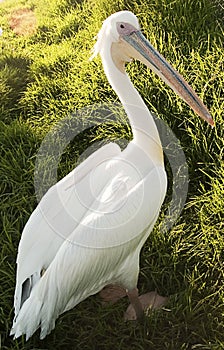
[
  {"x": 37, "y": 311},
  {"x": 45, "y": 303},
  {"x": 28, "y": 319}
]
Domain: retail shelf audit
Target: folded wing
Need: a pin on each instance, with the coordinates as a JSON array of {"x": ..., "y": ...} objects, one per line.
[{"x": 53, "y": 221}]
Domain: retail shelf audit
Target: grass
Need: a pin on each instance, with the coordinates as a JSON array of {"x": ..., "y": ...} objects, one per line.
[{"x": 46, "y": 76}]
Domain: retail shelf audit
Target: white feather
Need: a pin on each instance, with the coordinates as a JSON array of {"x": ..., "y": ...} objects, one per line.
[{"x": 51, "y": 222}]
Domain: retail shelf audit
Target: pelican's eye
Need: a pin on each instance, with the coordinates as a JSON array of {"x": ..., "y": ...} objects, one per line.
[{"x": 125, "y": 28}]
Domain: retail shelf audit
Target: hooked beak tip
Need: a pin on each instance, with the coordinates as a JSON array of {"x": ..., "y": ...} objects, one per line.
[{"x": 210, "y": 121}]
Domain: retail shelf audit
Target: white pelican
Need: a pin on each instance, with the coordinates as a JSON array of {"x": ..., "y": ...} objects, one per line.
[{"x": 88, "y": 230}]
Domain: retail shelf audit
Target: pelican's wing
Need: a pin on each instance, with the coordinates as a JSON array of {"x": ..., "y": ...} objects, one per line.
[
  {"x": 103, "y": 249},
  {"x": 55, "y": 218}
]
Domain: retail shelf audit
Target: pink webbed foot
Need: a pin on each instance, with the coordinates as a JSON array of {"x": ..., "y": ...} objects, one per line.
[{"x": 151, "y": 300}]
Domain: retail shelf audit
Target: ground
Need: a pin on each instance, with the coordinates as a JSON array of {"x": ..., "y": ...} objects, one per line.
[{"x": 23, "y": 22}]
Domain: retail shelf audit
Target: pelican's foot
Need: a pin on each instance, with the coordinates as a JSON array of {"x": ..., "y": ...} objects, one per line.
[
  {"x": 151, "y": 300},
  {"x": 112, "y": 293}
]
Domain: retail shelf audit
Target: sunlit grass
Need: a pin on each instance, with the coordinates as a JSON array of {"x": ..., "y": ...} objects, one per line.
[{"x": 46, "y": 77}]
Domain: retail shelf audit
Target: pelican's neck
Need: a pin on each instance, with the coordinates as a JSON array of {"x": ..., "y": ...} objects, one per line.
[{"x": 145, "y": 133}]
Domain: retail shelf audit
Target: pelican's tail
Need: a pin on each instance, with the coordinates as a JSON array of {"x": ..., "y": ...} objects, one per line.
[
  {"x": 39, "y": 310},
  {"x": 33, "y": 315},
  {"x": 46, "y": 302}
]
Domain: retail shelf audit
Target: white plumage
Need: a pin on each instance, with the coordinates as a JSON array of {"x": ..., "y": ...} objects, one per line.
[{"x": 88, "y": 229}]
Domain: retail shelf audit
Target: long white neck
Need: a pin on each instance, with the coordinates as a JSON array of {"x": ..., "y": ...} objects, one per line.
[{"x": 145, "y": 133}]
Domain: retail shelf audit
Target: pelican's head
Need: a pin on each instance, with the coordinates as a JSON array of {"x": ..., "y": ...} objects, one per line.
[
  {"x": 109, "y": 33},
  {"x": 120, "y": 36}
]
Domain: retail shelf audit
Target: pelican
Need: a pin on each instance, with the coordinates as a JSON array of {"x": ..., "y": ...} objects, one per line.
[{"x": 88, "y": 229}]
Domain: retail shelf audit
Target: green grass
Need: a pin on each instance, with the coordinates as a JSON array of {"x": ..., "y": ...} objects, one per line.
[{"x": 47, "y": 76}]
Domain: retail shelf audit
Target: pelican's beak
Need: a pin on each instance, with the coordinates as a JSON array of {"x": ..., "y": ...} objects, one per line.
[{"x": 146, "y": 53}]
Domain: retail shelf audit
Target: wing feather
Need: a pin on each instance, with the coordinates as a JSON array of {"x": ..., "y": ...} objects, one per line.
[{"x": 54, "y": 219}]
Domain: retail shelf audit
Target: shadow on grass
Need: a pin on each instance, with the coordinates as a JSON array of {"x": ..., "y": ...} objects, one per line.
[
  {"x": 14, "y": 77},
  {"x": 18, "y": 145}
]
